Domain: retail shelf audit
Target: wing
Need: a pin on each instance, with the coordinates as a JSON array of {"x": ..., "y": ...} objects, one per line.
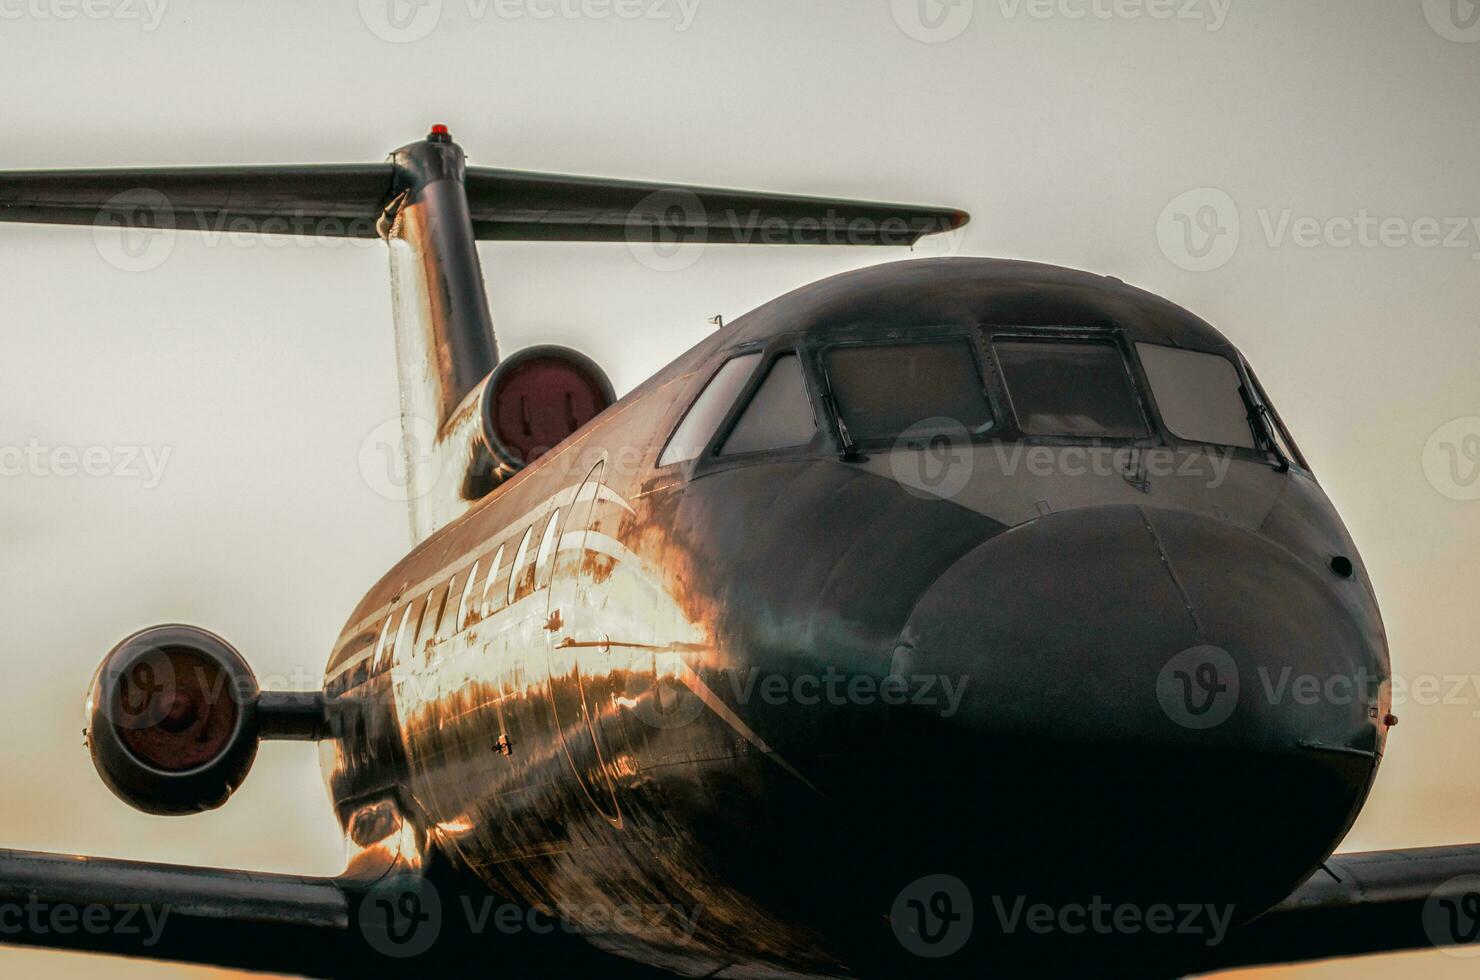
[
  {"x": 279, "y": 923},
  {"x": 382, "y": 920},
  {"x": 1374, "y": 902},
  {"x": 347, "y": 201}
]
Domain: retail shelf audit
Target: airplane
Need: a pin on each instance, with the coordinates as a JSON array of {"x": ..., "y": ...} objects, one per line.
[{"x": 946, "y": 615}]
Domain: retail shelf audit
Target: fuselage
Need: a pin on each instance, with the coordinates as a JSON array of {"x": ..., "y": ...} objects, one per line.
[{"x": 752, "y": 695}]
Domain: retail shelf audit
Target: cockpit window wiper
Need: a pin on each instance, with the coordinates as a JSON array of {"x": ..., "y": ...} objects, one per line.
[
  {"x": 1262, "y": 423},
  {"x": 1277, "y": 428},
  {"x": 847, "y": 449}
]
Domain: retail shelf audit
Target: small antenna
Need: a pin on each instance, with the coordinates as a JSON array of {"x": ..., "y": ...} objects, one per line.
[{"x": 718, "y": 320}]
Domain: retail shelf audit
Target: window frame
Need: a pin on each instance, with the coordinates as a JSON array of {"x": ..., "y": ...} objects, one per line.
[
  {"x": 543, "y": 560},
  {"x": 493, "y": 599},
  {"x": 926, "y": 334},
  {"x": 770, "y": 357},
  {"x": 1114, "y": 337},
  {"x": 467, "y": 604},
  {"x": 1280, "y": 444},
  {"x": 726, "y": 420},
  {"x": 515, "y": 565},
  {"x": 1175, "y": 438},
  {"x": 981, "y": 338}
]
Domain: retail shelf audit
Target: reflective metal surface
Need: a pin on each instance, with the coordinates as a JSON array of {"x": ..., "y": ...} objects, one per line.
[{"x": 780, "y": 690}]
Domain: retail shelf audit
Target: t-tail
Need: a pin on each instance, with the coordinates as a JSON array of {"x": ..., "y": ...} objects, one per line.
[{"x": 468, "y": 420}]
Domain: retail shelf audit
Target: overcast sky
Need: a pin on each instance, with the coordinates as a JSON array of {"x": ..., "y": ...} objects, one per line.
[{"x": 183, "y": 442}]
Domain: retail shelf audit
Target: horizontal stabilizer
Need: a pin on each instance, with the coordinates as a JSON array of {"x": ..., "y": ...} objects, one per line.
[
  {"x": 347, "y": 201},
  {"x": 509, "y": 205},
  {"x": 339, "y": 201}
]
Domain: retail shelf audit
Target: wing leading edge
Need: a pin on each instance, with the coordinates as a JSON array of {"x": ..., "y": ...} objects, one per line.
[
  {"x": 280, "y": 923},
  {"x": 1376, "y": 902},
  {"x": 1365, "y": 903},
  {"x": 349, "y": 200}
]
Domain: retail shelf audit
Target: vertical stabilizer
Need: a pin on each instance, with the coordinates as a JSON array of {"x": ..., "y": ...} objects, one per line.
[{"x": 445, "y": 346}]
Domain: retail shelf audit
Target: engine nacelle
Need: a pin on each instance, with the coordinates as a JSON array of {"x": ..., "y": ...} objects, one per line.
[
  {"x": 172, "y": 720},
  {"x": 536, "y": 398}
]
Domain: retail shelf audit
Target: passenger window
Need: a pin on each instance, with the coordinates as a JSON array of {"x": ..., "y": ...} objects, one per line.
[
  {"x": 708, "y": 410},
  {"x": 517, "y": 588},
  {"x": 381, "y": 658},
  {"x": 466, "y": 611},
  {"x": 570, "y": 559},
  {"x": 430, "y": 616},
  {"x": 1070, "y": 388},
  {"x": 780, "y": 415},
  {"x": 884, "y": 390},
  {"x": 1198, "y": 395},
  {"x": 546, "y": 551},
  {"x": 405, "y": 634},
  {"x": 489, "y": 595},
  {"x": 447, "y": 626}
]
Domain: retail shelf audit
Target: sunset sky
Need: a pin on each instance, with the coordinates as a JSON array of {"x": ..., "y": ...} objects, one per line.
[{"x": 1301, "y": 173}]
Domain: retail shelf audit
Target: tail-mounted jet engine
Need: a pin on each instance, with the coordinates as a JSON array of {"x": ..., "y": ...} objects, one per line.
[
  {"x": 538, "y": 397},
  {"x": 174, "y": 716},
  {"x": 533, "y": 400}
]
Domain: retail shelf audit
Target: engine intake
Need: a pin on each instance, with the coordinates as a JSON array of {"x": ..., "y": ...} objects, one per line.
[
  {"x": 537, "y": 397},
  {"x": 174, "y": 717},
  {"x": 521, "y": 410}
]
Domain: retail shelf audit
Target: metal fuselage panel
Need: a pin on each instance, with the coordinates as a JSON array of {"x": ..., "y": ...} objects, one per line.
[{"x": 686, "y": 705}]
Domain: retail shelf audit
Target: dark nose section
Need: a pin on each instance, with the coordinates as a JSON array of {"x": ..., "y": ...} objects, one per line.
[{"x": 1155, "y": 704}]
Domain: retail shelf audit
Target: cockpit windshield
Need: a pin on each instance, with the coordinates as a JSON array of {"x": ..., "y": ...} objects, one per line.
[
  {"x": 1200, "y": 396},
  {"x": 1075, "y": 388},
  {"x": 885, "y": 390}
]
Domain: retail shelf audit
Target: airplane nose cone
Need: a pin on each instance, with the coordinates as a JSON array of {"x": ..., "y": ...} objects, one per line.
[{"x": 1156, "y": 704}]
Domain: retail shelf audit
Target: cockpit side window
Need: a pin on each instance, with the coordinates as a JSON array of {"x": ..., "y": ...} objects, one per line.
[
  {"x": 1074, "y": 388},
  {"x": 884, "y": 390},
  {"x": 1198, "y": 395},
  {"x": 780, "y": 416},
  {"x": 708, "y": 411}
]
